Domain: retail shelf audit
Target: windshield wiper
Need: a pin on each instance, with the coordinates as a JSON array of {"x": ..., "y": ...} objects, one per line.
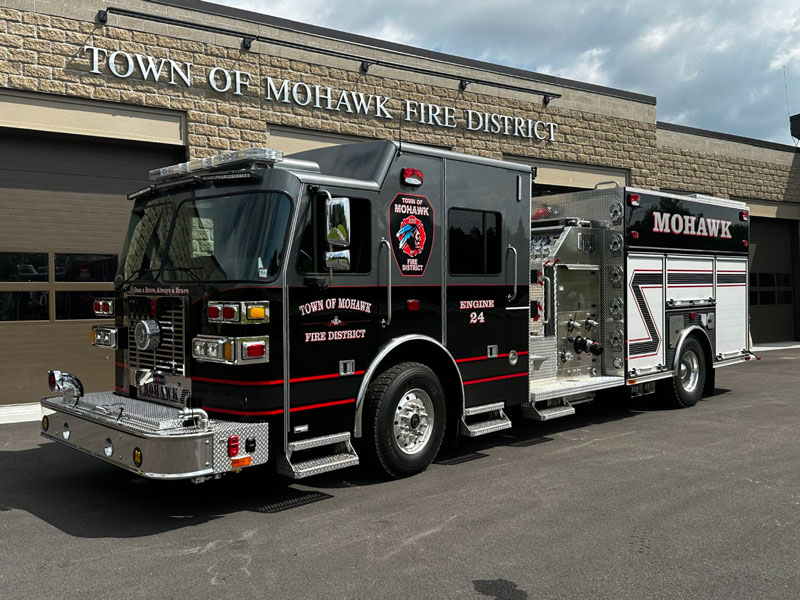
[
  {"x": 195, "y": 278},
  {"x": 138, "y": 271}
]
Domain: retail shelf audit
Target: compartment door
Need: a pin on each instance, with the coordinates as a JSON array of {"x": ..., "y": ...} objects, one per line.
[
  {"x": 732, "y": 309},
  {"x": 690, "y": 280},
  {"x": 645, "y": 312}
]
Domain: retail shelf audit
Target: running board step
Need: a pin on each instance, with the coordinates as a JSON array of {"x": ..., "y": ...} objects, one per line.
[
  {"x": 530, "y": 411},
  {"x": 341, "y": 455},
  {"x": 479, "y": 410},
  {"x": 496, "y": 420}
]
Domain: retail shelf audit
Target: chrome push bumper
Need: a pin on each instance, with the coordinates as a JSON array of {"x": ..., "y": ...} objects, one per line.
[{"x": 152, "y": 440}]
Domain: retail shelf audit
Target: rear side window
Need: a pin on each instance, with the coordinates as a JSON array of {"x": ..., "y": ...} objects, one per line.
[{"x": 474, "y": 242}]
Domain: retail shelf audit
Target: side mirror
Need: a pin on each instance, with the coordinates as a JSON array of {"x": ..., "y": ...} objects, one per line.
[
  {"x": 337, "y": 219},
  {"x": 337, "y": 260}
]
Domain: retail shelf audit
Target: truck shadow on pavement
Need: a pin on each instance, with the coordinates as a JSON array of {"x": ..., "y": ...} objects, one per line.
[{"x": 84, "y": 497}]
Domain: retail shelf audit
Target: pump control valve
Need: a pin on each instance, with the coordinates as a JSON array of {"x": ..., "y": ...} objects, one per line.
[{"x": 583, "y": 344}]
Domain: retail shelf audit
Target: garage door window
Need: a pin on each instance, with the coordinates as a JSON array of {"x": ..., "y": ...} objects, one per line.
[
  {"x": 24, "y": 306},
  {"x": 85, "y": 267},
  {"x": 41, "y": 286},
  {"x": 770, "y": 288},
  {"x": 23, "y": 266}
]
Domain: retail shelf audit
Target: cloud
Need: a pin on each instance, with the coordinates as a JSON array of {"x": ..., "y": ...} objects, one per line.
[
  {"x": 714, "y": 65},
  {"x": 588, "y": 67}
]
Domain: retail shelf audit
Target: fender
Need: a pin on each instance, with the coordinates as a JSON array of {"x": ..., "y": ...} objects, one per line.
[
  {"x": 682, "y": 340},
  {"x": 383, "y": 353}
]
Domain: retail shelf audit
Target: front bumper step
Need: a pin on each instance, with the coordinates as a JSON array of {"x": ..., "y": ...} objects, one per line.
[{"x": 172, "y": 443}]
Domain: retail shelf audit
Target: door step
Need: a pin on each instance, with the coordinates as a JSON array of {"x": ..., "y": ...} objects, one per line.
[
  {"x": 494, "y": 419},
  {"x": 546, "y": 413},
  {"x": 313, "y": 456}
]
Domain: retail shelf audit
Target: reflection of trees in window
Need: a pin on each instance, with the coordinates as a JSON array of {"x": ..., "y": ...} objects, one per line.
[
  {"x": 147, "y": 239},
  {"x": 23, "y": 266},
  {"x": 24, "y": 306},
  {"x": 474, "y": 247}
]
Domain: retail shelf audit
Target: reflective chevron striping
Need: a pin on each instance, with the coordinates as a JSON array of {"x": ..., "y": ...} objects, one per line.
[{"x": 649, "y": 346}]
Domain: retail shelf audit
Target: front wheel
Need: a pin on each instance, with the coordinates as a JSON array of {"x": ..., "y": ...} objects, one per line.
[
  {"x": 689, "y": 377},
  {"x": 404, "y": 419}
]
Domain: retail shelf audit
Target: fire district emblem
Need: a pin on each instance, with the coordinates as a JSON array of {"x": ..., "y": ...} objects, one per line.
[
  {"x": 411, "y": 237},
  {"x": 411, "y": 224}
]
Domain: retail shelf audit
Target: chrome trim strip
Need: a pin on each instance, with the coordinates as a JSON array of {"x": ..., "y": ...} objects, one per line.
[
  {"x": 382, "y": 353},
  {"x": 702, "y": 199},
  {"x": 285, "y": 297},
  {"x": 388, "y": 320},
  {"x": 468, "y": 158},
  {"x": 445, "y": 238},
  {"x": 727, "y": 362},
  {"x": 651, "y": 377}
]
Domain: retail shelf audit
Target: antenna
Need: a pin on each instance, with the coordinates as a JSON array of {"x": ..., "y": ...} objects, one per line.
[
  {"x": 788, "y": 112},
  {"x": 401, "y": 134}
]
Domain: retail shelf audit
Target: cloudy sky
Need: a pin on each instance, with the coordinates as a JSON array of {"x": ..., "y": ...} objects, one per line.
[{"x": 713, "y": 64}]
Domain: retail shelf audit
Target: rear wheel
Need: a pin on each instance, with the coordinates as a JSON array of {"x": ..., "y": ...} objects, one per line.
[
  {"x": 404, "y": 419},
  {"x": 689, "y": 376}
]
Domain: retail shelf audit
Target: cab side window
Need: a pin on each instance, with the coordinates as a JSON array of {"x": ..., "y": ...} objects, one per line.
[
  {"x": 311, "y": 258},
  {"x": 474, "y": 247}
]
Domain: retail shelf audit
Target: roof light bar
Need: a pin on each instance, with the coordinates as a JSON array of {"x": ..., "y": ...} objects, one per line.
[{"x": 228, "y": 158}]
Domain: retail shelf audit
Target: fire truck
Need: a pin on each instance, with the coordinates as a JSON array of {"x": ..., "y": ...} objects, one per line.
[{"x": 360, "y": 302}]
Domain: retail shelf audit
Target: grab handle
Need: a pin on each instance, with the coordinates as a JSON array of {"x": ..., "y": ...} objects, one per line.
[
  {"x": 385, "y": 322},
  {"x": 513, "y": 294},
  {"x": 548, "y": 288}
]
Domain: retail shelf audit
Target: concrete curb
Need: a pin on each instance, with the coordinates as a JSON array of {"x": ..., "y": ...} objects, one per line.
[
  {"x": 775, "y": 346},
  {"x": 20, "y": 413}
]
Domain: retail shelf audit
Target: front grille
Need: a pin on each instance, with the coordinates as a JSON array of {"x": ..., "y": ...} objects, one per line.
[{"x": 169, "y": 357}]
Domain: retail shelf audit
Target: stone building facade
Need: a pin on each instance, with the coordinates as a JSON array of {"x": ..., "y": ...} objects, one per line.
[{"x": 92, "y": 96}]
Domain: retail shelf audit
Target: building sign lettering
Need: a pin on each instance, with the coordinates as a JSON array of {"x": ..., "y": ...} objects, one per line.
[{"x": 123, "y": 64}]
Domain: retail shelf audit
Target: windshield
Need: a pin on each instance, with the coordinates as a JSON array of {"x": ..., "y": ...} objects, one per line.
[
  {"x": 146, "y": 241},
  {"x": 238, "y": 237}
]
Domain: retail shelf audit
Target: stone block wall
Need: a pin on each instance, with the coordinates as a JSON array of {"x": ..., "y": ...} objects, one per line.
[
  {"x": 44, "y": 53},
  {"x": 728, "y": 176}
]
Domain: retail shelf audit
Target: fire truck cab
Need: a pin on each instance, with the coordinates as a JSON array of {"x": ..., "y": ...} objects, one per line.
[{"x": 355, "y": 303}]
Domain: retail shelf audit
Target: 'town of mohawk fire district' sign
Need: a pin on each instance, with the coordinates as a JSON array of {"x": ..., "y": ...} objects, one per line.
[{"x": 411, "y": 231}]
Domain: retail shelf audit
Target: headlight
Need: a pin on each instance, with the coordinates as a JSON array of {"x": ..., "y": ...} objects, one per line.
[{"x": 104, "y": 337}]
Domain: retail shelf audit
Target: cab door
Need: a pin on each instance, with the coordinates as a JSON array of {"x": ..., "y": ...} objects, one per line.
[
  {"x": 334, "y": 319},
  {"x": 486, "y": 278}
]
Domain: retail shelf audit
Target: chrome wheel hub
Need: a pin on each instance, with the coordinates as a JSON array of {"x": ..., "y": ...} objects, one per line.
[
  {"x": 413, "y": 421},
  {"x": 689, "y": 371}
]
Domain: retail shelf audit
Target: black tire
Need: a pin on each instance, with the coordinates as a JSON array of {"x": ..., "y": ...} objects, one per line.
[
  {"x": 406, "y": 399},
  {"x": 689, "y": 376}
]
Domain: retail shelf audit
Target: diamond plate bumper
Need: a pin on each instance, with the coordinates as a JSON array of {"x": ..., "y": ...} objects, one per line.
[{"x": 173, "y": 443}]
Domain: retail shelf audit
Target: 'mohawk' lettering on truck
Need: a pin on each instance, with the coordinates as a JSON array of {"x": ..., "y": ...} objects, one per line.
[{"x": 691, "y": 225}]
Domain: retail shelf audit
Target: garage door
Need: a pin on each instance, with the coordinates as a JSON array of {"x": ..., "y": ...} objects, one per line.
[
  {"x": 772, "y": 302},
  {"x": 64, "y": 218}
]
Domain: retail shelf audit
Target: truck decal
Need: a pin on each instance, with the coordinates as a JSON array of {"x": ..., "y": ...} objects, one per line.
[
  {"x": 676, "y": 278},
  {"x": 691, "y": 225},
  {"x": 335, "y": 304},
  {"x": 411, "y": 223},
  {"x": 638, "y": 281}
]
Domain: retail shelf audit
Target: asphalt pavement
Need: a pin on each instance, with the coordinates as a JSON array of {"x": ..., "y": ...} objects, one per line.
[{"x": 626, "y": 499}]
